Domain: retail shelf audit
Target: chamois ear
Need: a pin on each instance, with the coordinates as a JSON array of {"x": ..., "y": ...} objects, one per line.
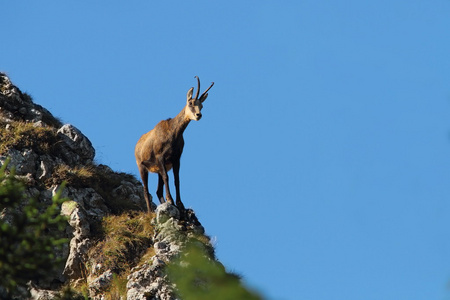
[
  {"x": 189, "y": 94},
  {"x": 203, "y": 97}
]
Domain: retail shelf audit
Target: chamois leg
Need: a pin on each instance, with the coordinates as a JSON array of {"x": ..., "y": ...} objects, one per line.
[
  {"x": 176, "y": 176},
  {"x": 144, "y": 176},
  {"x": 159, "y": 191},
  {"x": 165, "y": 179}
]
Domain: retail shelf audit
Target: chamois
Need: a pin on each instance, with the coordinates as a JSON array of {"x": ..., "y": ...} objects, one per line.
[{"x": 160, "y": 149}]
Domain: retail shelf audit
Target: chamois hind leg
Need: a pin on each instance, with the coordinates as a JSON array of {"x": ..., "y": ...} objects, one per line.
[{"x": 144, "y": 176}]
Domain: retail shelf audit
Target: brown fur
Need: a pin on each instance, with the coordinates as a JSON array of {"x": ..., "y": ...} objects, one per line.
[{"x": 160, "y": 149}]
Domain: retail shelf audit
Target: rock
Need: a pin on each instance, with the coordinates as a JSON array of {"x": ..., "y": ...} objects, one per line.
[
  {"x": 46, "y": 166},
  {"x": 41, "y": 294},
  {"x": 92, "y": 203},
  {"x": 100, "y": 284},
  {"x": 132, "y": 191},
  {"x": 15, "y": 105},
  {"x": 166, "y": 211},
  {"x": 24, "y": 161},
  {"x": 79, "y": 244},
  {"x": 77, "y": 142},
  {"x": 148, "y": 282},
  {"x": 39, "y": 124}
]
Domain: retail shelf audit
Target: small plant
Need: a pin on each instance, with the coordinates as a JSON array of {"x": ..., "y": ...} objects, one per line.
[
  {"x": 69, "y": 293},
  {"x": 198, "y": 277},
  {"x": 28, "y": 234},
  {"x": 118, "y": 289}
]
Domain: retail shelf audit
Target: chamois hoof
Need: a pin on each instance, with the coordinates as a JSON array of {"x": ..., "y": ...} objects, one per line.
[{"x": 180, "y": 206}]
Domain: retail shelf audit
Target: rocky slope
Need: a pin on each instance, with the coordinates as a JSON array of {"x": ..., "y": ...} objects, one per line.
[{"x": 116, "y": 250}]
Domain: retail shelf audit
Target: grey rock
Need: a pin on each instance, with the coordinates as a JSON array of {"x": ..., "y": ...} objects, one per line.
[
  {"x": 45, "y": 168},
  {"x": 39, "y": 124},
  {"x": 41, "y": 294},
  {"x": 77, "y": 142},
  {"x": 15, "y": 105},
  {"x": 92, "y": 203},
  {"x": 80, "y": 242},
  {"x": 166, "y": 211},
  {"x": 23, "y": 161},
  {"x": 101, "y": 283},
  {"x": 149, "y": 282}
]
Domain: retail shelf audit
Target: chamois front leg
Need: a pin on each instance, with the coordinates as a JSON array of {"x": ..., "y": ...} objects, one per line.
[
  {"x": 159, "y": 191},
  {"x": 176, "y": 176}
]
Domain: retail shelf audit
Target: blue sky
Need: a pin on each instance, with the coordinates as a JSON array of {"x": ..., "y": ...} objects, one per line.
[{"x": 321, "y": 164}]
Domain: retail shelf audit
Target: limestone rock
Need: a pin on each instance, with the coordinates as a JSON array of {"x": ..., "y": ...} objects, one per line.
[
  {"x": 100, "y": 284},
  {"x": 23, "y": 160},
  {"x": 166, "y": 211},
  {"x": 77, "y": 142},
  {"x": 79, "y": 244},
  {"x": 15, "y": 105},
  {"x": 148, "y": 282}
]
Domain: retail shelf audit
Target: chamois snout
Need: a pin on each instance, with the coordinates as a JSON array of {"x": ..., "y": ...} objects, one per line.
[{"x": 198, "y": 116}]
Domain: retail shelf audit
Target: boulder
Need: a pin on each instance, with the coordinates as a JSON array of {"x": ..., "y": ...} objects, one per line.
[{"x": 77, "y": 142}]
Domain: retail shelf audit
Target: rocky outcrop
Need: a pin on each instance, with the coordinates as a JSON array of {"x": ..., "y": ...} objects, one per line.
[
  {"x": 45, "y": 153},
  {"x": 148, "y": 281},
  {"x": 15, "y": 106}
]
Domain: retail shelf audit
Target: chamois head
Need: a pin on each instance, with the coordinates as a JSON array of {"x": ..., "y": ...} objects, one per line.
[{"x": 194, "y": 105}]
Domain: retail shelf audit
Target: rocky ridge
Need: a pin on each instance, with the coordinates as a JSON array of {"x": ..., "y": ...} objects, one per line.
[{"x": 44, "y": 153}]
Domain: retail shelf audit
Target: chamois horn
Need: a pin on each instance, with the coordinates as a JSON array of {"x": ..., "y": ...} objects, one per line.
[
  {"x": 204, "y": 93},
  {"x": 198, "y": 88}
]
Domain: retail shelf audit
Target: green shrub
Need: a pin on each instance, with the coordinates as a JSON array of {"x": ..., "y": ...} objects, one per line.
[
  {"x": 198, "y": 277},
  {"x": 29, "y": 234}
]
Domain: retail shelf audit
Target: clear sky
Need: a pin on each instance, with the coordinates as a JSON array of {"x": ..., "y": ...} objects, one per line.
[{"x": 321, "y": 166}]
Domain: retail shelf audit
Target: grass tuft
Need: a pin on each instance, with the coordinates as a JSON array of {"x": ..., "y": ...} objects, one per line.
[
  {"x": 19, "y": 135},
  {"x": 126, "y": 238}
]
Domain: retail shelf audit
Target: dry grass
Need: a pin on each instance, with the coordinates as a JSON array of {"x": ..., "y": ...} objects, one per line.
[
  {"x": 42, "y": 140},
  {"x": 118, "y": 289},
  {"x": 101, "y": 179},
  {"x": 147, "y": 256},
  {"x": 126, "y": 238},
  {"x": 126, "y": 242},
  {"x": 78, "y": 176}
]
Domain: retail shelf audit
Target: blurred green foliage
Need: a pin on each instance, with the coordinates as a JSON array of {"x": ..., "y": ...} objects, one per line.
[
  {"x": 30, "y": 234},
  {"x": 199, "y": 277}
]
